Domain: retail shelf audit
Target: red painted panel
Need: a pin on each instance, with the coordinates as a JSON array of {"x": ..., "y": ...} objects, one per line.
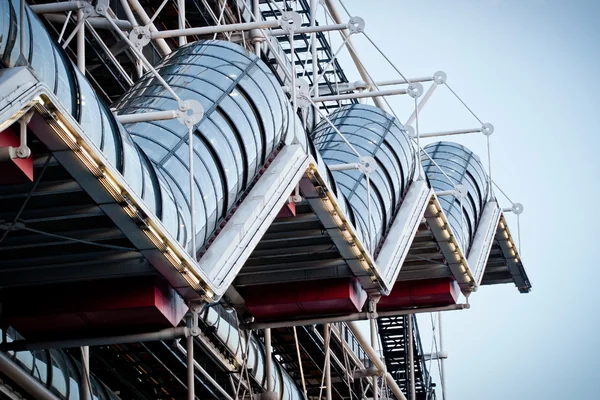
[
  {"x": 19, "y": 170},
  {"x": 288, "y": 210},
  {"x": 421, "y": 293},
  {"x": 304, "y": 299},
  {"x": 116, "y": 306}
]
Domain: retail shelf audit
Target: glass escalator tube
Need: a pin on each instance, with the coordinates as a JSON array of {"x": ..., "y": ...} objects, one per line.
[
  {"x": 372, "y": 133},
  {"x": 464, "y": 168},
  {"x": 246, "y": 118}
]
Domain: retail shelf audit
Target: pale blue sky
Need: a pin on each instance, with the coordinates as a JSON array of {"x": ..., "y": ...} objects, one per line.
[{"x": 531, "y": 68}]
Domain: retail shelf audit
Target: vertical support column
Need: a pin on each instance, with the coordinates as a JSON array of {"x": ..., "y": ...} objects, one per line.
[
  {"x": 181, "y": 5},
  {"x": 269, "y": 360},
  {"x": 190, "y": 367},
  {"x": 84, "y": 387},
  {"x": 442, "y": 359},
  {"x": 81, "y": 42},
  {"x": 255, "y": 33},
  {"x": 315, "y": 59},
  {"x": 411, "y": 359},
  {"x": 373, "y": 323},
  {"x": 327, "y": 338}
]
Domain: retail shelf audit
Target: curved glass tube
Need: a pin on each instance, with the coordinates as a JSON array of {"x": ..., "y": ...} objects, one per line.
[
  {"x": 57, "y": 371},
  {"x": 246, "y": 117},
  {"x": 463, "y": 167},
  {"x": 374, "y": 133},
  {"x": 225, "y": 326}
]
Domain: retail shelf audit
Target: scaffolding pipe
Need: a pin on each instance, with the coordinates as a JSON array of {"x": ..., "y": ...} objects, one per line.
[
  {"x": 362, "y": 316},
  {"x": 361, "y": 70},
  {"x": 361, "y": 95},
  {"x": 24, "y": 380},
  {"x": 165, "y": 334},
  {"x": 207, "y": 30},
  {"x": 139, "y": 10},
  {"x": 377, "y": 363},
  {"x": 62, "y": 6}
]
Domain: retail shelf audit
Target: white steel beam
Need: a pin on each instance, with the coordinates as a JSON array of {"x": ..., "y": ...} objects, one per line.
[
  {"x": 361, "y": 95},
  {"x": 207, "y": 30}
]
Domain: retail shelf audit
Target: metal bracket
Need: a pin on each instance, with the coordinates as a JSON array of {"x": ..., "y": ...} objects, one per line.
[
  {"x": 440, "y": 77},
  {"x": 290, "y": 21},
  {"x": 415, "y": 90},
  {"x": 140, "y": 36},
  {"x": 487, "y": 129},
  {"x": 367, "y": 165},
  {"x": 356, "y": 25},
  {"x": 192, "y": 112},
  {"x": 372, "y": 307},
  {"x": 195, "y": 309},
  {"x": 516, "y": 208},
  {"x": 10, "y": 153}
]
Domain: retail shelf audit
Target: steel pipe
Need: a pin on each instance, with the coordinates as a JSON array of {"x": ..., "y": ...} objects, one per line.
[
  {"x": 344, "y": 167},
  {"x": 62, "y": 6},
  {"x": 191, "y": 393},
  {"x": 361, "y": 95},
  {"x": 24, "y": 380},
  {"x": 361, "y": 316},
  {"x": 411, "y": 359},
  {"x": 376, "y": 361},
  {"x": 139, "y": 10},
  {"x": 359, "y": 66},
  {"x": 84, "y": 387},
  {"x": 207, "y": 30},
  {"x": 148, "y": 116},
  {"x": 94, "y": 22},
  {"x": 450, "y": 133},
  {"x": 269, "y": 360},
  {"x": 311, "y": 29},
  {"x": 165, "y": 334},
  {"x": 81, "y": 42}
]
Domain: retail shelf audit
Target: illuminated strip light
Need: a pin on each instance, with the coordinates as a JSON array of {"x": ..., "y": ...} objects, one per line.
[
  {"x": 106, "y": 178},
  {"x": 360, "y": 253},
  {"x": 451, "y": 240}
]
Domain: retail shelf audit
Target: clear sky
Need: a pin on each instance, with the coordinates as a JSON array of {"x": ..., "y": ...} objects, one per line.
[{"x": 532, "y": 68}]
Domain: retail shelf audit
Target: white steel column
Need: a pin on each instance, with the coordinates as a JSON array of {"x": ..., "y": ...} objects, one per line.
[
  {"x": 255, "y": 34},
  {"x": 181, "y": 4},
  {"x": 411, "y": 359},
  {"x": 81, "y": 42},
  {"x": 315, "y": 60},
  {"x": 327, "y": 339},
  {"x": 190, "y": 368},
  {"x": 442, "y": 359},
  {"x": 269, "y": 360},
  {"x": 373, "y": 323},
  {"x": 84, "y": 387}
]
